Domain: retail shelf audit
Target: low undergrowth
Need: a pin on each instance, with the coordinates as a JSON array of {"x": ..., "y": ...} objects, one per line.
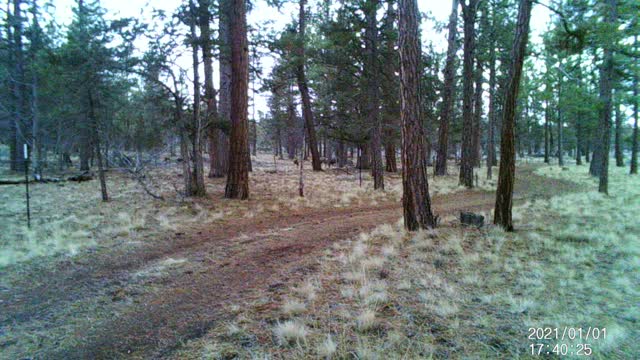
[
  {"x": 68, "y": 217},
  {"x": 458, "y": 292}
]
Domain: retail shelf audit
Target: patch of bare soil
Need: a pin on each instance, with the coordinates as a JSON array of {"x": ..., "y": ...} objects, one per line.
[{"x": 148, "y": 316}]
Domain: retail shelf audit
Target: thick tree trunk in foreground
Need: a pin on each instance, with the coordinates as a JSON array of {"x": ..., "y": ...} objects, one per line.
[
  {"x": 415, "y": 200},
  {"x": 304, "y": 92},
  {"x": 446, "y": 110},
  {"x": 238, "y": 178},
  {"x": 506, "y": 177},
  {"x": 373, "y": 98},
  {"x": 606, "y": 78},
  {"x": 469, "y": 8}
]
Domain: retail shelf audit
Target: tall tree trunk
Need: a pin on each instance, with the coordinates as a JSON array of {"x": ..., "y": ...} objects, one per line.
[
  {"x": 491, "y": 141},
  {"x": 96, "y": 144},
  {"x": 477, "y": 114},
  {"x": 618, "y": 136},
  {"x": 304, "y": 92},
  {"x": 504, "y": 192},
  {"x": 292, "y": 133},
  {"x": 373, "y": 98},
  {"x": 415, "y": 200},
  {"x": 559, "y": 124},
  {"x": 469, "y": 8},
  {"x": 449, "y": 86},
  {"x": 36, "y": 45},
  {"x": 209, "y": 90},
  {"x": 341, "y": 154},
  {"x": 221, "y": 139},
  {"x": 238, "y": 178},
  {"x": 198, "y": 188},
  {"x": 390, "y": 91},
  {"x": 560, "y": 139},
  {"x": 634, "y": 145},
  {"x": 19, "y": 130},
  {"x": 254, "y": 138},
  {"x": 578, "y": 143},
  {"x": 390, "y": 156},
  {"x": 606, "y": 78}
]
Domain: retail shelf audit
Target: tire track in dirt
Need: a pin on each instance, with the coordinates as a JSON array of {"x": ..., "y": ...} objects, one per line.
[{"x": 280, "y": 250}]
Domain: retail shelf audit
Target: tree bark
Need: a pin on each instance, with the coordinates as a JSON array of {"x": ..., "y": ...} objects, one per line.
[
  {"x": 578, "y": 143},
  {"x": 209, "y": 90},
  {"x": 618, "y": 137},
  {"x": 96, "y": 144},
  {"x": 390, "y": 156},
  {"x": 506, "y": 177},
  {"x": 469, "y": 8},
  {"x": 304, "y": 92},
  {"x": 634, "y": 145},
  {"x": 449, "y": 86},
  {"x": 477, "y": 114},
  {"x": 491, "y": 141},
  {"x": 373, "y": 98},
  {"x": 606, "y": 78},
  {"x": 392, "y": 108},
  {"x": 238, "y": 178},
  {"x": 415, "y": 200},
  {"x": 19, "y": 133},
  {"x": 221, "y": 139},
  {"x": 547, "y": 126},
  {"x": 197, "y": 128},
  {"x": 559, "y": 123}
]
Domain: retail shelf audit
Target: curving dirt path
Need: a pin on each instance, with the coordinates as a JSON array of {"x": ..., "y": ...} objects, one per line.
[{"x": 149, "y": 316}]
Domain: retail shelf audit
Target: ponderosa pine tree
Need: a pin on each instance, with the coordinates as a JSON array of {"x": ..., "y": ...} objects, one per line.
[
  {"x": 373, "y": 99},
  {"x": 220, "y": 136},
  {"x": 307, "y": 112},
  {"x": 211, "y": 115},
  {"x": 415, "y": 200},
  {"x": 238, "y": 178},
  {"x": 633, "y": 168},
  {"x": 506, "y": 177},
  {"x": 446, "y": 109},
  {"x": 606, "y": 79},
  {"x": 469, "y": 11}
]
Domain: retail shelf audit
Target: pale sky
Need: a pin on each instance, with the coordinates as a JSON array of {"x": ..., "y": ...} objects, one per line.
[{"x": 262, "y": 12}]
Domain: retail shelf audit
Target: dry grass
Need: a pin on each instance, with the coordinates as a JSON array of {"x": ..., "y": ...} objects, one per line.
[
  {"x": 69, "y": 217},
  {"x": 466, "y": 293}
]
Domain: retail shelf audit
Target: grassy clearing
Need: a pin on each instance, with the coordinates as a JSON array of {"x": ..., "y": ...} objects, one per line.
[
  {"x": 460, "y": 292},
  {"x": 68, "y": 217}
]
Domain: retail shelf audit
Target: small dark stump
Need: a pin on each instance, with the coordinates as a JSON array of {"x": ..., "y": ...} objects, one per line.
[{"x": 471, "y": 219}]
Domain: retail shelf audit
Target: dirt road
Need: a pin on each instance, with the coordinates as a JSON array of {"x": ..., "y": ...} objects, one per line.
[{"x": 135, "y": 303}]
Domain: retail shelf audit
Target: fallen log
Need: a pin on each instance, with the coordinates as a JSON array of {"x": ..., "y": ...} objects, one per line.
[
  {"x": 85, "y": 176},
  {"x": 37, "y": 180}
]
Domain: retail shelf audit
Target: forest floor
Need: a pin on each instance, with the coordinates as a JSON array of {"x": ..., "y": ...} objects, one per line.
[{"x": 221, "y": 281}]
